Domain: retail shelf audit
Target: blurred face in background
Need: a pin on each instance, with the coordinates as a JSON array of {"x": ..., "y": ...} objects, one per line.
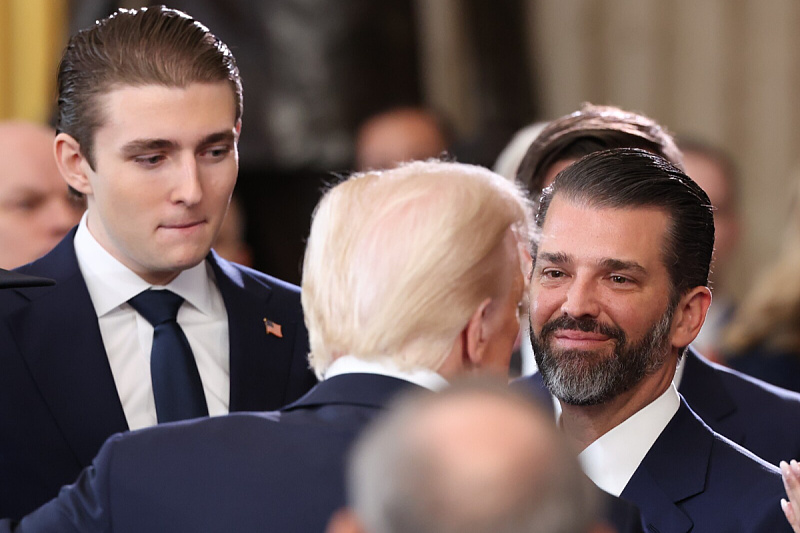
[
  {"x": 36, "y": 209},
  {"x": 709, "y": 174}
]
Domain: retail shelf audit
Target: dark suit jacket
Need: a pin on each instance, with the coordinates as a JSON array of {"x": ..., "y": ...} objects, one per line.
[
  {"x": 754, "y": 414},
  {"x": 58, "y": 400},
  {"x": 693, "y": 479},
  {"x": 280, "y": 471},
  {"x": 759, "y": 416}
]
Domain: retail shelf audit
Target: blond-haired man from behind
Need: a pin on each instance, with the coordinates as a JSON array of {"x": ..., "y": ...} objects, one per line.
[{"x": 412, "y": 277}]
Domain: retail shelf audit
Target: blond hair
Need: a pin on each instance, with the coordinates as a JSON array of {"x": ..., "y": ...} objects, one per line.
[
  {"x": 397, "y": 261},
  {"x": 770, "y": 312}
]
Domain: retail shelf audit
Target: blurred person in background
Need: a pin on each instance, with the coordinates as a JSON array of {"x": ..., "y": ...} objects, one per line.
[
  {"x": 36, "y": 208},
  {"x": 475, "y": 458},
  {"x": 732, "y": 404},
  {"x": 398, "y": 135},
  {"x": 763, "y": 339},
  {"x": 230, "y": 243},
  {"x": 716, "y": 173}
]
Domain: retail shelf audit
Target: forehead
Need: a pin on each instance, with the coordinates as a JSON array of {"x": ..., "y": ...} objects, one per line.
[
  {"x": 593, "y": 233},
  {"x": 161, "y": 112}
]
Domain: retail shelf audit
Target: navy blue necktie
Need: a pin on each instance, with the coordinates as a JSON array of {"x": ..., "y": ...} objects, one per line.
[{"x": 176, "y": 383}]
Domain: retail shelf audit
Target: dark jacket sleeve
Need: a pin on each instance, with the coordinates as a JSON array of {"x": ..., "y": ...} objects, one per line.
[{"x": 81, "y": 507}]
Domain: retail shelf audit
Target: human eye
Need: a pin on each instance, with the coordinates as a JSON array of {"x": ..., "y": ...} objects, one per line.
[
  {"x": 149, "y": 160},
  {"x": 217, "y": 152},
  {"x": 621, "y": 281},
  {"x": 551, "y": 276},
  {"x": 27, "y": 203}
]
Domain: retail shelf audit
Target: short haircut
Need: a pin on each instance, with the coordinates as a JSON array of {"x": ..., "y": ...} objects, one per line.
[
  {"x": 590, "y": 129},
  {"x": 397, "y": 261},
  {"x": 404, "y": 476},
  {"x": 154, "y": 45},
  {"x": 626, "y": 178}
]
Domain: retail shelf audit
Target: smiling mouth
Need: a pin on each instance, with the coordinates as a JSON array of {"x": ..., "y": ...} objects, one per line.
[{"x": 577, "y": 335}]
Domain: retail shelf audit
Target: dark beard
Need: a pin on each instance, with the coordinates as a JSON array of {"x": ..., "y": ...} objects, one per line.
[{"x": 579, "y": 377}]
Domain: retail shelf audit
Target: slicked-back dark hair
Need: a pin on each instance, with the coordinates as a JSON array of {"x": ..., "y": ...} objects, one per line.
[
  {"x": 590, "y": 129},
  {"x": 153, "y": 45},
  {"x": 626, "y": 178}
]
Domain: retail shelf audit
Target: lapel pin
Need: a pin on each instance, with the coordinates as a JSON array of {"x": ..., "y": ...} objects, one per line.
[{"x": 273, "y": 328}]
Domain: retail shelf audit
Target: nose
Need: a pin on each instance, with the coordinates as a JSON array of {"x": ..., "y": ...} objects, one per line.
[
  {"x": 581, "y": 299},
  {"x": 188, "y": 189}
]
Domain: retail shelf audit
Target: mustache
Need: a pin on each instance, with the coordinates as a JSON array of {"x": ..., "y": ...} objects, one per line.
[{"x": 586, "y": 324}]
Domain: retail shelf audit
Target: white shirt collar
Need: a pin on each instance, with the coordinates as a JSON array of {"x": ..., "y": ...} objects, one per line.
[
  {"x": 111, "y": 284},
  {"x": 350, "y": 364},
  {"x": 611, "y": 460}
]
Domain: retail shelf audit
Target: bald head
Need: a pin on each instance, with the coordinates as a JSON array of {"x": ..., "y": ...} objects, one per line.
[
  {"x": 475, "y": 458},
  {"x": 36, "y": 210},
  {"x": 399, "y": 135}
]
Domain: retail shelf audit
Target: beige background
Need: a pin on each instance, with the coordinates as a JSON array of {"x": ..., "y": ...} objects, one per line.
[{"x": 723, "y": 70}]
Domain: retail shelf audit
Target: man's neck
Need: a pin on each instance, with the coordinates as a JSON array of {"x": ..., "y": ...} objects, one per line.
[{"x": 584, "y": 424}]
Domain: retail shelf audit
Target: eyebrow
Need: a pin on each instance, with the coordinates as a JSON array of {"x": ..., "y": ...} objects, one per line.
[
  {"x": 560, "y": 258},
  {"x": 145, "y": 145},
  {"x": 626, "y": 266}
]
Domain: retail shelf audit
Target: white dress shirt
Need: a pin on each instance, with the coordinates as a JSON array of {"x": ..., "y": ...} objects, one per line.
[
  {"x": 350, "y": 364},
  {"x": 128, "y": 337},
  {"x": 611, "y": 460}
]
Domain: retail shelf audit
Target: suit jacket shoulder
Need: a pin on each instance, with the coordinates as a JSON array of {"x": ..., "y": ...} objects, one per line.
[
  {"x": 58, "y": 398},
  {"x": 693, "y": 479},
  {"x": 756, "y": 415},
  {"x": 280, "y": 470}
]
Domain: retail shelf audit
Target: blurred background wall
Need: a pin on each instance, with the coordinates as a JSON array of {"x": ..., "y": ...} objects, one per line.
[{"x": 726, "y": 71}]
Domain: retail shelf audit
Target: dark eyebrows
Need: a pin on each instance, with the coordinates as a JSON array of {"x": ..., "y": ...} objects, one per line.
[
  {"x": 624, "y": 266},
  {"x": 138, "y": 146},
  {"x": 557, "y": 258},
  {"x": 219, "y": 137},
  {"x": 560, "y": 258}
]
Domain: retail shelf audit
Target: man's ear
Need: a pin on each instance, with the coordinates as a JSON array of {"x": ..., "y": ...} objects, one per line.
[
  {"x": 690, "y": 315},
  {"x": 71, "y": 163},
  {"x": 476, "y": 334},
  {"x": 345, "y": 521}
]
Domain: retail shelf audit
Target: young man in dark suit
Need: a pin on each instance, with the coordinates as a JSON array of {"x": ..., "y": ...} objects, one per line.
[
  {"x": 618, "y": 291},
  {"x": 146, "y": 324}
]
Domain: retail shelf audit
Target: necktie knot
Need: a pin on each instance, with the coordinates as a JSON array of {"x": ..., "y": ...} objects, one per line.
[{"x": 157, "y": 306}]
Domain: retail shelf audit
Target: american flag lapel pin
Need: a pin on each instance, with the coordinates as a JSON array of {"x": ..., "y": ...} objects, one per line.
[{"x": 273, "y": 328}]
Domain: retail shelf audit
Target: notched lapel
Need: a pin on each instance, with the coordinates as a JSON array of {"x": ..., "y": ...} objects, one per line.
[
  {"x": 706, "y": 395},
  {"x": 57, "y": 334},
  {"x": 260, "y": 363},
  {"x": 659, "y": 512}
]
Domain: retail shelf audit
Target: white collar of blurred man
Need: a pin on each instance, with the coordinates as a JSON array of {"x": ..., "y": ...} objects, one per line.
[
  {"x": 423, "y": 265},
  {"x": 474, "y": 458},
  {"x": 36, "y": 208}
]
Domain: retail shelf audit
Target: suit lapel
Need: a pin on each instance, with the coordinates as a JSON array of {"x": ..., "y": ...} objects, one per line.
[
  {"x": 57, "y": 333},
  {"x": 260, "y": 363},
  {"x": 673, "y": 470},
  {"x": 658, "y": 511},
  {"x": 706, "y": 394}
]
